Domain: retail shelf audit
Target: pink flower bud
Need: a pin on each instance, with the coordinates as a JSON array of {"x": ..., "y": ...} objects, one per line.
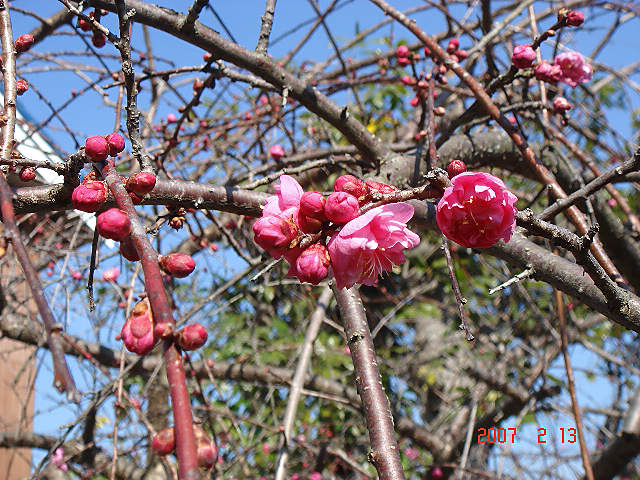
[
  {"x": 312, "y": 205},
  {"x": 115, "y": 143},
  {"x": 523, "y": 56},
  {"x": 546, "y": 72},
  {"x": 192, "y": 337},
  {"x": 111, "y": 275},
  {"x": 274, "y": 234},
  {"x": 84, "y": 25},
  {"x": 380, "y": 188},
  {"x": 276, "y": 152},
  {"x": 456, "y": 167},
  {"x": 27, "y": 174},
  {"x": 177, "y": 265},
  {"x": 96, "y": 148},
  {"x": 312, "y": 266},
  {"x": 453, "y": 45},
  {"x": 21, "y": 87},
  {"x": 436, "y": 473},
  {"x": 207, "y": 450},
  {"x": 341, "y": 207},
  {"x": 141, "y": 183},
  {"x": 99, "y": 40},
  {"x": 402, "y": 51},
  {"x": 461, "y": 54},
  {"x": 163, "y": 330},
  {"x": 575, "y": 18},
  {"x": 407, "y": 80},
  {"x": 113, "y": 224},
  {"x": 89, "y": 197},
  {"x": 352, "y": 185},
  {"x": 403, "y": 61},
  {"x": 309, "y": 224},
  {"x": 76, "y": 275},
  {"x": 137, "y": 332},
  {"x": 164, "y": 441},
  {"x": 414, "y": 102},
  {"x": 24, "y": 42},
  {"x": 560, "y": 105},
  {"x": 128, "y": 249},
  {"x": 171, "y": 118}
]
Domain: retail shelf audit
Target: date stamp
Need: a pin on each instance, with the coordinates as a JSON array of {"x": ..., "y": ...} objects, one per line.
[{"x": 510, "y": 435}]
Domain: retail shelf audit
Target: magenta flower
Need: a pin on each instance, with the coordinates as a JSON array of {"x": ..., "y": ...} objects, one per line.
[
  {"x": 575, "y": 68},
  {"x": 312, "y": 265},
  {"x": 548, "y": 73},
  {"x": 371, "y": 244},
  {"x": 341, "y": 207},
  {"x": 57, "y": 459},
  {"x": 286, "y": 202},
  {"x": 137, "y": 332},
  {"x": 477, "y": 210},
  {"x": 274, "y": 234},
  {"x": 523, "y": 56}
]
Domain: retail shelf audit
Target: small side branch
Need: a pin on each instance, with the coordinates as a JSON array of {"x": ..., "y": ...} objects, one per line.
[
  {"x": 265, "y": 28},
  {"x": 384, "y": 454}
]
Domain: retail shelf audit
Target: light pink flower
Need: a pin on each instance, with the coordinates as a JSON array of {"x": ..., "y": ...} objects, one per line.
[
  {"x": 561, "y": 105},
  {"x": 111, "y": 275},
  {"x": 575, "y": 68},
  {"x": 286, "y": 202},
  {"x": 371, "y": 244},
  {"x": 57, "y": 459},
  {"x": 477, "y": 210}
]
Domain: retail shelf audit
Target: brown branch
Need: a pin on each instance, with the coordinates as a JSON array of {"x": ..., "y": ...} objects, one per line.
[
  {"x": 62, "y": 377},
  {"x": 384, "y": 454},
  {"x": 183, "y": 420}
]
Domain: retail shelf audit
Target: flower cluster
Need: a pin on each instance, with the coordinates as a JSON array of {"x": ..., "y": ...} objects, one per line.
[{"x": 316, "y": 234}]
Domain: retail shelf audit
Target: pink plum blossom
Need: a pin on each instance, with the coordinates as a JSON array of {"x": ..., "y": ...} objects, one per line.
[
  {"x": 477, "y": 210},
  {"x": 547, "y": 73},
  {"x": 575, "y": 68},
  {"x": 523, "y": 56},
  {"x": 111, "y": 275},
  {"x": 286, "y": 202},
  {"x": 371, "y": 244},
  {"x": 57, "y": 459}
]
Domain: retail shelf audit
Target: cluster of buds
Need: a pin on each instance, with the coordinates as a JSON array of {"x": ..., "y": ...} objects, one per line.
[
  {"x": 568, "y": 67},
  {"x": 99, "y": 148},
  {"x": 454, "y": 50},
  {"x": 315, "y": 233},
  {"x": 420, "y": 86}
]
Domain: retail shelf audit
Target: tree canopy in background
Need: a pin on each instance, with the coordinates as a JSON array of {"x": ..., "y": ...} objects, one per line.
[{"x": 489, "y": 353}]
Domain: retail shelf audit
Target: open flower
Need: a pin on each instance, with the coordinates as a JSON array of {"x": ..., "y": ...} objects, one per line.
[
  {"x": 371, "y": 244},
  {"x": 477, "y": 210},
  {"x": 57, "y": 459},
  {"x": 286, "y": 202},
  {"x": 575, "y": 68}
]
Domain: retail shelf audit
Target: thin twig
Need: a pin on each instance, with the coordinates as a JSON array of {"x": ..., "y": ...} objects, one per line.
[{"x": 297, "y": 383}]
